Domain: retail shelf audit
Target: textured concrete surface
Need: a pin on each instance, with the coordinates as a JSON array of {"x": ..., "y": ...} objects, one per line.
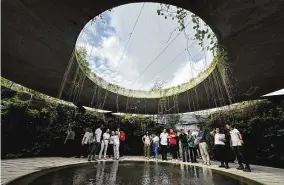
[
  {"x": 15, "y": 168},
  {"x": 38, "y": 38}
]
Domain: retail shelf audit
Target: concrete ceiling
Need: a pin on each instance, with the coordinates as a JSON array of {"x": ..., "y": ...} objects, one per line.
[{"x": 38, "y": 38}]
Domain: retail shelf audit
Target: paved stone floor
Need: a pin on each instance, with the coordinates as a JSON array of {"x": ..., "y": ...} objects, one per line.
[{"x": 14, "y": 168}]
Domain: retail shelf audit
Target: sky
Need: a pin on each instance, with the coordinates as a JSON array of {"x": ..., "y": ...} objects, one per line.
[{"x": 129, "y": 67}]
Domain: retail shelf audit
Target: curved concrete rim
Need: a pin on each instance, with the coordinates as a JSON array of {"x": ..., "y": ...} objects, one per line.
[
  {"x": 39, "y": 38},
  {"x": 165, "y": 92},
  {"x": 226, "y": 172}
]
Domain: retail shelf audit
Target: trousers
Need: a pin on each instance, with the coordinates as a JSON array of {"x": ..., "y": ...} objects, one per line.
[
  {"x": 204, "y": 152},
  {"x": 104, "y": 146}
]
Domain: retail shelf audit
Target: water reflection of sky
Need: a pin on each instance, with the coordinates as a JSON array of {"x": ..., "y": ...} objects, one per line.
[{"x": 128, "y": 173}]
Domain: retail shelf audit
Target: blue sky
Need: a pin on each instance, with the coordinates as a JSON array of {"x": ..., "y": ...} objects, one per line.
[{"x": 105, "y": 43}]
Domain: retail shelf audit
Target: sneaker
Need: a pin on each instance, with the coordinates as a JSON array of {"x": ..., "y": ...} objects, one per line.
[
  {"x": 222, "y": 166},
  {"x": 227, "y": 167},
  {"x": 208, "y": 163},
  {"x": 247, "y": 169},
  {"x": 240, "y": 168}
]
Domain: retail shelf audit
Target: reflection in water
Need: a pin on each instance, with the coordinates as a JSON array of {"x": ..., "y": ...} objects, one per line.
[
  {"x": 128, "y": 173},
  {"x": 207, "y": 173},
  {"x": 146, "y": 174}
]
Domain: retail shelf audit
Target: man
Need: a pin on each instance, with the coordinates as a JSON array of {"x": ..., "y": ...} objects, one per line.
[
  {"x": 237, "y": 144},
  {"x": 95, "y": 143},
  {"x": 164, "y": 144},
  {"x": 173, "y": 144},
  {"x": 203, "y": 146},
  {"x": 192, "y": 147},
  {"x": 122, "y": 141},
  {"x": 184, "y": 146},
  {"x": 86, "y": 141}
]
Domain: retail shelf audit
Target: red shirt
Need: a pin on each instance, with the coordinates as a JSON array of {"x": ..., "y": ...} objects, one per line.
[
  {"x": 122, "y": 136},
  {"x": 173, "y": 139}
]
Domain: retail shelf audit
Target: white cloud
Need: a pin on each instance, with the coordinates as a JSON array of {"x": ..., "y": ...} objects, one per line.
[{"x": 147, "y": 41}]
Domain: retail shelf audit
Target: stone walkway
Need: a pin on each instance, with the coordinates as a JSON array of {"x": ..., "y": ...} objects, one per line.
[{"x": 15, "y": 168}]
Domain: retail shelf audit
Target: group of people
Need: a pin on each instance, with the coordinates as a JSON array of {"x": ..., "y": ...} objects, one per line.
[
  {"x": 111, "y": 142},
  {"x": 191, "y": 144},
  {"x": 171, "y": 140}
]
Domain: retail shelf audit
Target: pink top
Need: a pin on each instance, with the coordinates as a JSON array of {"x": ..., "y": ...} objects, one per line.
[{"x": 173, "y": 139}]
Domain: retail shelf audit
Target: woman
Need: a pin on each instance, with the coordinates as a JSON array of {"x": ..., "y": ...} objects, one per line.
[
  {"x": 220, "y": 148},
  {"x": 104, "y": 144},
  {"x": 116, "y": 145},
  {"x": 110, "y": 147},
  {"x": 147, "y": 142},
  {"x": 70, "y": 142},
  {"x": 173, "y": 144},
  {"x": 192, "y": 146},
  {"x": 156, "y": 146}
]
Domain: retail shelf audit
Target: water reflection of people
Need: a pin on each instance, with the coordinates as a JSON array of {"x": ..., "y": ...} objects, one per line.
[
  {"x": 146, "y": 174},
  {"x": 113, "y": 173},
  {"x": 207, "y": 175},
  {"x": 100, "y": 173}
]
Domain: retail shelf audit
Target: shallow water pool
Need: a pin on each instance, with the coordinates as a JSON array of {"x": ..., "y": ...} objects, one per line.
[{"x": 132, "y": 173}]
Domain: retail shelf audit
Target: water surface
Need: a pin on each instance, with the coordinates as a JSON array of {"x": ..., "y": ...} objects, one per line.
[{"x": 133, "y": 173}]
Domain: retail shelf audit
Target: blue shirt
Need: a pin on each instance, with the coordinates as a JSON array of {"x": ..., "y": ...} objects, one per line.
[{"x": 202, "y": 135}]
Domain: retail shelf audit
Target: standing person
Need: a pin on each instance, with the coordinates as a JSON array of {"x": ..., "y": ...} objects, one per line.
[
  {"x": 86, "y": 140},
  {"x": 104, "y": 144},
  {"x": 110, "y": 147},
  {"x": 237, "y": 144},
  {"x": 155, "y": 146},
  {"x": 147, "y": 142},
  {"x": 95, "y": 143},
  {"x": 192, "y": 147},
  {"x": 164, "y": 144},
  {"x": 116, "y": 142},
  {"x": 122, "y": 141},
  {"x": 173, "y": 144},
  {"x": 184, "y": 145},
  {"x": 70, "y": 142},
  {"x": 220, "y": 147},
  {"x": 203, "y": 146}
]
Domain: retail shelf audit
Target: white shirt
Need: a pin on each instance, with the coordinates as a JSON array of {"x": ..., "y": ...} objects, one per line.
[
  {"x": 106, "y": 137},
  {"x": 111, "y": 139},
  {"x": 235, "y": 138},
  {"x": 156, "y": 139},
  {"x": 87, "y": 137},
  {"x": 98, "y": 135},
  {"x": 217, "y": 138},
  {"x": 164, "y": 138},
  {"x": 116, "y": 139},
  {"x": 147, "y": 140}
]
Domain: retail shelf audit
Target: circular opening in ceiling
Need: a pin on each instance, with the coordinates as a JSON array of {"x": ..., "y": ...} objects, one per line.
[{"x": 146, "y": 50}]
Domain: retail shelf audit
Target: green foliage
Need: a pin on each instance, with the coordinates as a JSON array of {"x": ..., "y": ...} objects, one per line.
[
  {"x": 81, "y": 56},
  {"x": 37, "y": 126},
  {"x": 202, "y": 31}
]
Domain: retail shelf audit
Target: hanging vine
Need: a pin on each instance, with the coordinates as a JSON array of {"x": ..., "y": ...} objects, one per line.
[{"x": 202, "y": 30}]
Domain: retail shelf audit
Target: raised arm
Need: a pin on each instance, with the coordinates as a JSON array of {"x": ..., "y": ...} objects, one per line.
[{"x": 213, "y": 132}]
